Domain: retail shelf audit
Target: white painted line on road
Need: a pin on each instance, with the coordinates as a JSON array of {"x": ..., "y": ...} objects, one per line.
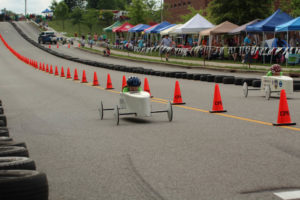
[{"x": 290, "y": 195}]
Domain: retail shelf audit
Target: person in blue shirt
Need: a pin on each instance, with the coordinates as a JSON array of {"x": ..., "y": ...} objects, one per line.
[{"x": 247, "y": 40}]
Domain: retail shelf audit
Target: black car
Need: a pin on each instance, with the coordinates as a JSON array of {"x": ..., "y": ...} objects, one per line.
[{"x": 47, "y": 37}]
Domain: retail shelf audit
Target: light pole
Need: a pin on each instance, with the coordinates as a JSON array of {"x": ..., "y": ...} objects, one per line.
[{"x": 25, "y": 8}]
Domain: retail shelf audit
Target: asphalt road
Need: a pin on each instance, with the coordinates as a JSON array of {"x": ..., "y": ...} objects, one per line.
[{"x": 197, "y": 156}]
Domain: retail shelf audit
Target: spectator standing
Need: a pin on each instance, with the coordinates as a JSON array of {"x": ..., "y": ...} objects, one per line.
[{"x": 166, "y": 42}]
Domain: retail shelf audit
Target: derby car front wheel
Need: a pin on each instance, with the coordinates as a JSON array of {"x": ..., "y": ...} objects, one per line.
[
  {"x": 100, "y": 109},
  {"x": 117, "y": 115},
  {"x": 245, "y": 89},
  {"x": 170, "y": 111},
  {"x": 267, "y": 92}
]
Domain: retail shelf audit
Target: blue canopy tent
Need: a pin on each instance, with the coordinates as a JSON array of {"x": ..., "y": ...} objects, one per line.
[
  {"x": 269, "y": 24},
  {"x": 166, "y": 27},
  {"x": 46, "y": 11},
  {"x": 293, "y": 25},
  {"x": 139, "y": 28},
  {"x": 159, "y": 26}
]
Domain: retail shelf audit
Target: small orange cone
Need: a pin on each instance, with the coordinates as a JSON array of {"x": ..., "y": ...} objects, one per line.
[
  {"x": 95, "y": 82},
  {"x": 83, "y": 77},
  {"x": 78, "y": 45},
  {"x": 51, "y": 69},
  {"x": 124, "y": 82},
  {"x": 56, "y": 71},
  {"x": 47, "y": 68},
  {"x": 40, "y": 66},
  {"x": 43, "y": 67},
  {"x": 217, "y": 103},
  {"x": 146, "y": 86},
  {"x": 69, "y": 74},
  {"x": 284, "y": 118},
  {"x": 76, "y": 75},
  {"x": 49, "y": 46},
  {"x": 62, "y": 72},
  {"x": 109, "y": 85},
  {"x": 68, "y": 45},
  {"x": 177, "y": 95},
  {"x": 57, "y": 46}
]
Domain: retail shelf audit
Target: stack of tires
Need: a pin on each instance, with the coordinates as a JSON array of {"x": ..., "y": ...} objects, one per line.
[{"x": 19, "y": 179}]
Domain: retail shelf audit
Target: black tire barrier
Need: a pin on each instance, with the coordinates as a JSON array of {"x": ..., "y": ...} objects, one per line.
[
  {"x": 197, "y": 76},
  {"x": 219, "y": 79},
  {"x": 256, "y": 83},
  {"x": 178, "y": 75},
  {"x": 296, "y": 86},
  {"x": 172, "y": 74},
  {"x": 23, "y": 184},
  {"x": 184, "y": 76},
  {"x": 9, "y": 163},
  {"x": 8, "y": 151},
  {"x": 162, "y": 73},
  {"x": 228, "y": 80},
  {"x": 167, "y": 74},
  {"x": 4, "y": 133},
  {"x": 4, "y": 129},
  {"x": 249, "y": 81},
  {"x": 210, "y": 78},
  {"x": 3, "y": 121},
  {"x": 238, "y": 81},
  {"x": 11, "y": 143},
  {"x": 5, "y": 138},
  {"x": 0, "y": 102},
  {"x": 190, "y": 76},
  {"x": 204, "y": 77},
  {"x": 1, "y": 110}
]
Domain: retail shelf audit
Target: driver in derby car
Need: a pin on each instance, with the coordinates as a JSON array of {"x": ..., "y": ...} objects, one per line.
[
  {"x": 275, "y": 71},
  {"x": 133, "y": 84}
]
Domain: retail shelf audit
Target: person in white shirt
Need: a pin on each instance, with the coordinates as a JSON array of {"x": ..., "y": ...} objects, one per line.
[{"x": 167, "y": 42}]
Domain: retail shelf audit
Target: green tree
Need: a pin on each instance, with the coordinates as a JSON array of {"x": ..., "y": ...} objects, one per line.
[
  {"x": 192, "y": 13},
  {"x": 77, "y": 18},
  {"x": 137, "y": 12},
  {"x": 74, "y": 3},
  {"x": 90, "y": 18},
  {"x": 295, "y": 8},
  {"x": 106, "y": 17},
  {"x": 238, "y": 11},
  {"x": 61, "y": 12},
  {"x": 53, "y": 5}
]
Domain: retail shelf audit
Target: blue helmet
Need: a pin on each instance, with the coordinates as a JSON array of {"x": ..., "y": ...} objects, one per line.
[{"x": 133, "y": 81}]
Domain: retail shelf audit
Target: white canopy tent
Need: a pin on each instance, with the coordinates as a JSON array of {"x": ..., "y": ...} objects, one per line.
[
  {"x": 193, "y": 26},
  {"x": 169, "y": 30}
]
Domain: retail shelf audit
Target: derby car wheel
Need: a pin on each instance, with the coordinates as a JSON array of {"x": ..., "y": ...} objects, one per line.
[
  {"x": 267, "y": 92},
  {"x": 170, "y": 111},
  {"x": 245, "y": 89},
  {"x": 117, "y": 115},
  {"x": 100, "y": 109}
]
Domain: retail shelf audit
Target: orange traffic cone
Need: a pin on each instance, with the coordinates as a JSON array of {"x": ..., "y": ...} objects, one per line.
[
  {"x": 146, "y": 86},
  {"x": 78, "y": 45},
  {"x": 47, "y": 68},
  {"x": 217, "y": 103},
  {"x": 62, "y": 72},
  {"x": 83, "y": 77},
  {"x": 56, "y": 71},
  {"x": 68, "y": 45},
  {"x": 284, "y": 118},
  {"x": 57, "y": 46},
  {"x": 40, "y": 66},
  {"x": 43, "y": 67},
  {"x": 76, "y": 75},
  {"x": 124, "y": 82},
  {"x": 109, "y": 85},
  {"x": 69, "y": 74},
  {"x": 177, "y": 95},
  {"x": 95, "y": 82},
  {"x": 49, "y": 46},
  {"x": 51, "y": 69}
]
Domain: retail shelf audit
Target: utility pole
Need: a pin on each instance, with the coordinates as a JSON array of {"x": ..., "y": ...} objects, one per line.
[
  {"x": 25, "y": 8},
  {"x": 161, "y": 11}
]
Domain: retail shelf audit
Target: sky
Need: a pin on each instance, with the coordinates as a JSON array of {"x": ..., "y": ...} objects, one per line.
[{"x": 18, "y": 6}]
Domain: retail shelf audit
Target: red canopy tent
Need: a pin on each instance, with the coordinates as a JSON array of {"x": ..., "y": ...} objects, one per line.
[{"x": 123, "y": 28}]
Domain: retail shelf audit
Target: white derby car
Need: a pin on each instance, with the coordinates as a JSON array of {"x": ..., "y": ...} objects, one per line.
[
  {"x": 272, "y": 84},
  {"x": 135, "y": 103}
]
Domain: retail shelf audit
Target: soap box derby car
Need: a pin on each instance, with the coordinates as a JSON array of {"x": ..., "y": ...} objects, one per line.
[
  {"x": 134, "y": 103},
  {"x": 272, "y": 85}
]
